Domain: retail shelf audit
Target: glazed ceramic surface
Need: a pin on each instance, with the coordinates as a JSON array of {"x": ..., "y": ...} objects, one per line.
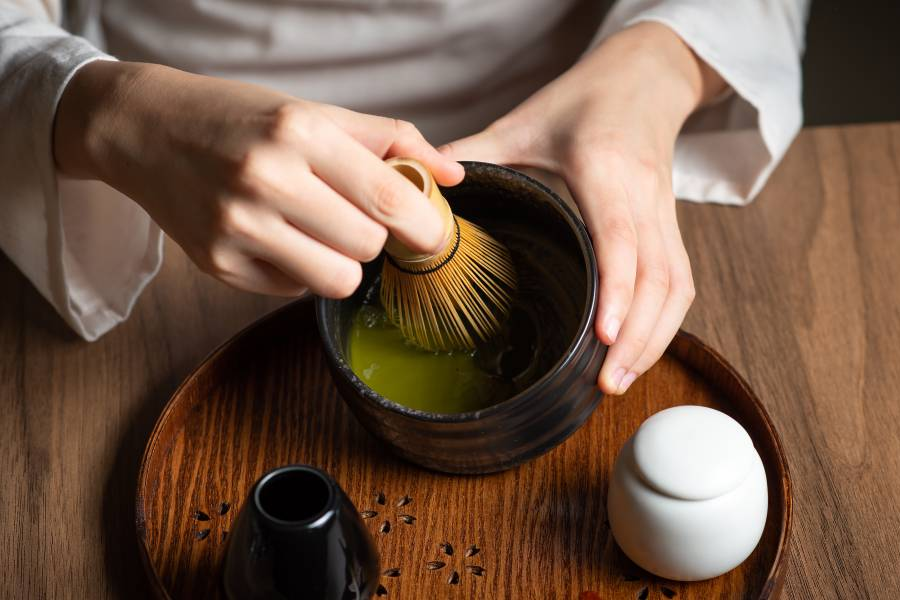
[
  {"x": 554, "y": 308},
  {"x": 299, "y": 537},
  {"x": 688, "y": 498}
]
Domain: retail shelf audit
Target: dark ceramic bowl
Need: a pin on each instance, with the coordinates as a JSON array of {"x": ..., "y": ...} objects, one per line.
[
  {"x": 299, "y": 536},
  {"x": 554, "y": 312}
]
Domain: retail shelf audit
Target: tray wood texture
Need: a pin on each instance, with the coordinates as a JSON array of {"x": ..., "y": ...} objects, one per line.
[{"x": 265, "y": 399}]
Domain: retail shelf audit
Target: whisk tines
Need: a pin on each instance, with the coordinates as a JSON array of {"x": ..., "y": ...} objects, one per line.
[{"x": 454, "y": 299}]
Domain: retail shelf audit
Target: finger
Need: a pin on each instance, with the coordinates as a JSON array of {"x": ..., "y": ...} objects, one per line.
[
  {"x": 670, "y": 320},
  {"x": 681, "y": 296},
  {"x": 379, "y": 191},
  {"x": 387, "y": 138},
  {"x": 607, "y": 214},
  {"x": 308, "y": 261},
  {"x": 254, "y": 275},
  {"x": 312, "y": 206},
  {"x": 410, "y": 143},
  {"x": 485, "y": 146},
  {"x": 650, "y": 293},
  {"x": 230, "y": 262},
  {"x": 324, "y": 214}
]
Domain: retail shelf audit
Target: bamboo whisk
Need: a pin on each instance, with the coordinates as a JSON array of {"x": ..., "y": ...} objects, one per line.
[{"x": 451, "y": 300}]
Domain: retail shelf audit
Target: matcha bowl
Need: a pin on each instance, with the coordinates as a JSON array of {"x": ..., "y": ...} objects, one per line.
[{"x": 547, "y": 355}]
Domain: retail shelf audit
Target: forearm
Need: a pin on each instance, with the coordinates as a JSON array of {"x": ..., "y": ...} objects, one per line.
[
  {"x": 116, "y": 120},
  {"x": 85, "y": 106},
  {"x": 655, "y": 72},
  {"x": 114, "y": 115},
  {"x": 756, "y": 47}
]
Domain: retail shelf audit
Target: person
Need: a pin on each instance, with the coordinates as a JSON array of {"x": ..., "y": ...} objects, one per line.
[{"x": 247, "y": 130}]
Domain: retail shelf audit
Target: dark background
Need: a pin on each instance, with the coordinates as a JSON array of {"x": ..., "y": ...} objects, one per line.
[{"x": 851, "y": 71}]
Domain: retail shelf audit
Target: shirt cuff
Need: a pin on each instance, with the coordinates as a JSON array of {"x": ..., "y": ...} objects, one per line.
[
  {"x": 110, "y": 249},
  {"x": 87, "y": 249}
]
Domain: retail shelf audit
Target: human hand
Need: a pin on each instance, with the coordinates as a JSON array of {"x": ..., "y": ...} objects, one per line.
[
  {"x": 608, "y": 127},
  {"x": 264, "y": 191}
]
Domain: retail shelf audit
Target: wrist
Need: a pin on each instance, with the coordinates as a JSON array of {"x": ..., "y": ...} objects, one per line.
[
  {"x": 86, "y": 115},
  {"x": 660, "y": 76}
]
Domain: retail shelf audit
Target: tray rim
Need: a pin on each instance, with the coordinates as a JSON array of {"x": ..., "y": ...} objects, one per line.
[{"x": 774, "y": 578}]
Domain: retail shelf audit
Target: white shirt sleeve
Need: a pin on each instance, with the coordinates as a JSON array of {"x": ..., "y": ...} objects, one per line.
[
  {"x": 727, "y": 150},
  {"x": 88, "y": 249}
]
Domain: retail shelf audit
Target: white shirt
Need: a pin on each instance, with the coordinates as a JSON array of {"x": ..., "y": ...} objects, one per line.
[{"x": 449, "y": 66}]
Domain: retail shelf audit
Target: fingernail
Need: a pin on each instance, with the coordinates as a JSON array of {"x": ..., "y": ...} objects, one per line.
[
  {"x": 617, "y": 376},
  {"x": 626, "y": 382},
  {"x": 611, "y": 328}
]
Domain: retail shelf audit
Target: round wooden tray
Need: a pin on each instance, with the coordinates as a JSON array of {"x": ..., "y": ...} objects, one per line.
[{"x": 266, "y": 399}]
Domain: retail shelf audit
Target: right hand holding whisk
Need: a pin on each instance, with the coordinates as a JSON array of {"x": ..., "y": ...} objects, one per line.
[{"x": 266, "y": 192}]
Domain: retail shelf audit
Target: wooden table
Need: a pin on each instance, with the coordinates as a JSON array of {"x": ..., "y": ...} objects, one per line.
[{"x": 801, "y": 291}]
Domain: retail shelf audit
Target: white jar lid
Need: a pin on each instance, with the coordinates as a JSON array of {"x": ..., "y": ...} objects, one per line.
[{"x": 693, "y": 452}]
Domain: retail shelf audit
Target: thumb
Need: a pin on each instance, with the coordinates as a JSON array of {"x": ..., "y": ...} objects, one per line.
[{"x": 486, "y": 146}]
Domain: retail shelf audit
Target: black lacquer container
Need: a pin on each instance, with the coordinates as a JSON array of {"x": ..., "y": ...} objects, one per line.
[
  {"x": 299, "y": 537},
  {"x": 555, "y": 309}
]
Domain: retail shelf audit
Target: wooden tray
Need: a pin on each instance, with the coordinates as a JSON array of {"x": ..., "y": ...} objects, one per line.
[{"x": 266, "y": 399}]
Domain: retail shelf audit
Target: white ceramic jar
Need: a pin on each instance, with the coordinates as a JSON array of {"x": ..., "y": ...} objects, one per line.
[{"x": 688, "y": 496}]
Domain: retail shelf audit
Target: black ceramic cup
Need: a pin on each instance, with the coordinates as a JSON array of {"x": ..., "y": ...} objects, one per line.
[
  {"x": 299, "y": 537},
  {"x": 553, "y": 312}
]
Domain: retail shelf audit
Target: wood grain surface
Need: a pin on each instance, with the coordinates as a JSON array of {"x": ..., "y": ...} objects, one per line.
[
  {"x": 800, "y": 291},
  {"x": 533, "y": 532}
]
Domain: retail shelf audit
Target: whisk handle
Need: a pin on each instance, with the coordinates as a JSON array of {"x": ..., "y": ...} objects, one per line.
[{"x": 421, "y": 177}]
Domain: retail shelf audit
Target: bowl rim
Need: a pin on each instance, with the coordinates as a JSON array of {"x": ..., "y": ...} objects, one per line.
[{"x": 585, "y": 327}]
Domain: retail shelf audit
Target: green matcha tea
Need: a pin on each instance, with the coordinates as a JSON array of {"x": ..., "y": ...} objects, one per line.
[
  {"x": 543, "y": 321},
  {"x": 441, "y": 382}
]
